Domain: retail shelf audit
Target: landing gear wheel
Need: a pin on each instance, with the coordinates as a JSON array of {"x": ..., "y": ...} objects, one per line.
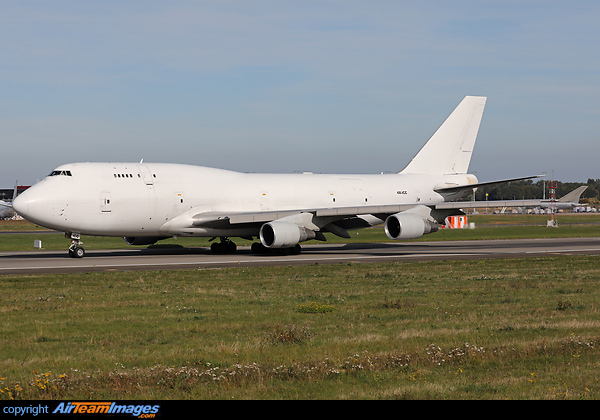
[
  {"x": 231, "y": 247},
  {"x": 258, "y": 248},
  {"x": 76, "y": 252},
  {"x": 224, "y": 247}
]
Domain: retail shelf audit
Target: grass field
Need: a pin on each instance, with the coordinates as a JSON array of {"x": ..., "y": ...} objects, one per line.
[{"x": 487, "y": 329}]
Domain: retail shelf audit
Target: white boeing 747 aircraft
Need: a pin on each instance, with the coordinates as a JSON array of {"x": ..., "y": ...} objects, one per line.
[{"x": 147, "y": 202}]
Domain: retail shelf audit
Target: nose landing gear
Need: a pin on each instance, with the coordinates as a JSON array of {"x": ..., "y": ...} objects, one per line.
[{"x": 75, "y": 250}]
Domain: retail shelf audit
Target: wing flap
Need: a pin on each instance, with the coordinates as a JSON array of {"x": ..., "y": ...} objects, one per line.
[
  {"x": 354, "y": 211},
  {"x": 261, "y": 217}
]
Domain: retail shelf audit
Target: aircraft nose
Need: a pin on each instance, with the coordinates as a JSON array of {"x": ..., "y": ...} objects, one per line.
[{"x": 21, "y": 204}]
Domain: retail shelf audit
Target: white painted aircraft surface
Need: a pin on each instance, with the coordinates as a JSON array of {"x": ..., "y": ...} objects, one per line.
[{"x": 147, "y": 202}]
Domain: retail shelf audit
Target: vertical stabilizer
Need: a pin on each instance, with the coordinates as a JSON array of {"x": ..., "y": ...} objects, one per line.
[{"x": 449, "y": 150}]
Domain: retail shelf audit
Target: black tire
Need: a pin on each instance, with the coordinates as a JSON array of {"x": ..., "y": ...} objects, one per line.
[
  {"x": 223, "y": 247},
  {"x": 76, "y": 252}
]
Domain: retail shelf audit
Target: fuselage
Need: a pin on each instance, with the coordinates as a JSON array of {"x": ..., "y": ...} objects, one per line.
[{"x": 156, "y": 199}]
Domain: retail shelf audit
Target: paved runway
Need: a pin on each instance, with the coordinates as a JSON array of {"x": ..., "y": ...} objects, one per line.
[{"x": 36, "y": 262}]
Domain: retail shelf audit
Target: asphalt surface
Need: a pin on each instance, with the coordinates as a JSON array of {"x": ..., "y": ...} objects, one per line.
[{"x": 38, "y": 262}]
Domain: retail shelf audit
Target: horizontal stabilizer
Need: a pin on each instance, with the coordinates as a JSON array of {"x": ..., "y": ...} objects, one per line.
[
  {"x": 482, "y": 204},
  {"x": 481, "y": 184}
]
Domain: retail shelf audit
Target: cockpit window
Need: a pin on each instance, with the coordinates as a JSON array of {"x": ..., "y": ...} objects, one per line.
[{"x": 55, "y": 173}]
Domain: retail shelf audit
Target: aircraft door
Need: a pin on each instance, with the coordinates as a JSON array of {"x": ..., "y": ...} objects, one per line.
[
  {"x": 146, "y": 174},
  {"x": 105, "y": 204}
]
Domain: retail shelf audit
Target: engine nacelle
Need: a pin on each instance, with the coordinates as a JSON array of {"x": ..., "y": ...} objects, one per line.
[
  {"x": 143, "y": 240},
  {"x": 407, "y": 226},
  {"x": 283, "y": 234}
]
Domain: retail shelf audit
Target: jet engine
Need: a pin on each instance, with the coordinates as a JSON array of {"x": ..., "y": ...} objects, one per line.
[
  {"x": 407, "y": 226},
  {"x": 284, "y": 235},
  {"x": 131, "y": 240}
]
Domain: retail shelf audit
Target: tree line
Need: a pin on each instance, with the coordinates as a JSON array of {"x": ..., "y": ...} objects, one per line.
[{"x": 519, "y": 190}]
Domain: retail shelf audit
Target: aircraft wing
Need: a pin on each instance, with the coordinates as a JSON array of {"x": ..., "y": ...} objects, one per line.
[
  {"x": 224, "y": 219},
  {"x": 212, "y": 218},
  {"x": 327, "y": 215},
  {"x": 325, "y": 212},
  {"x": 334, "y": 220},
  {"x": 350, "y": 217}
]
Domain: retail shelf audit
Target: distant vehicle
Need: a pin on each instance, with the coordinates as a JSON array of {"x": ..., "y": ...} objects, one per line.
[{"x": 147, "y": 202}]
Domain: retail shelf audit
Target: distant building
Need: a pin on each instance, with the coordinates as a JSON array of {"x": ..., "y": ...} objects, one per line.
[{"x": 6, "y": 194}]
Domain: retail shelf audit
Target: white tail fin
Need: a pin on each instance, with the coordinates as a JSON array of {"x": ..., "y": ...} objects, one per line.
[{"x": 449, "y": 150}]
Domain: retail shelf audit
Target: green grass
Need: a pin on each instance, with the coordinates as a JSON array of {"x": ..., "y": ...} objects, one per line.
[{"x": 488, "y": 329}]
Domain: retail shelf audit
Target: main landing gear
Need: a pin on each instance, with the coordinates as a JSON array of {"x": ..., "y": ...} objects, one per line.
[
  {"x": 75, "y": 250},
  {"x": 226, "y": 246}
]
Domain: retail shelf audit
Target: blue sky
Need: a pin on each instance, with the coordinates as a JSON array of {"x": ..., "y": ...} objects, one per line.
[{"x": 281, "y": 86}]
